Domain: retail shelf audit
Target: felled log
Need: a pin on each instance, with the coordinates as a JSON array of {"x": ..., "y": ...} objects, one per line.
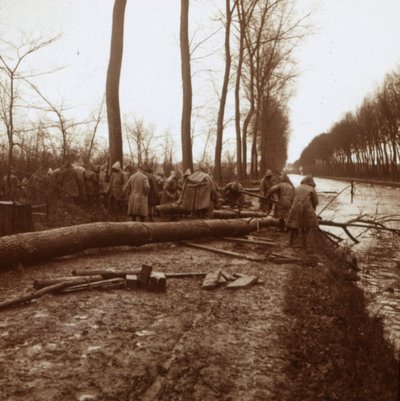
[
  {"x": 110, "y": 283},
  {"x": 175, "y": 208},
  {"x": 37, "y": 284},
  {"x": 37, "y": 294},
  {"x": 114, "y": 273},
  {"x": 225, "y": 252},
  {"x": 231, "y": 214},
  {"x": 249, "y": 241},
  {"x": 110, "y": 273},
  {"x": 38, "y": 246}
]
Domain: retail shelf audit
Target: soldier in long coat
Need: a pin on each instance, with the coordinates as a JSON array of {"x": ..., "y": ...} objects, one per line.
[
  {"x": 117, "y": 183},
  {"x": 69, "y": 182},
  {"x": 285, "y": 194},
  {"x": 266, "y": 184},
  {"x": 138, "y": 188},
  {"x": 153, "y": 196},
  {"x": 302, "y": 216},
  {"x": 12, "y": 191}
]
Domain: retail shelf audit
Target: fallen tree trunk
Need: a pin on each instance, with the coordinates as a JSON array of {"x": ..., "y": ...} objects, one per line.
[
  {"x": 38, "y": 246},
  {"x": 123, "y": 274},
  {"x": 111, "y": 283},
  {"x": 38, "y": 284},
  {"x": 225, "y": 252},
  {"x": 231, "y": 214},
  {"x": 175, "y": 208},
  {"x": 37, "y": 294}
]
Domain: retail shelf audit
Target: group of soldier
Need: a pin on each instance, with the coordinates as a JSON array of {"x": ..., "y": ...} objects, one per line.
[
  {"x": 293, "y": 207},
  {"x": 119, "y": 190},
  {"x": 136, "y": 194}
]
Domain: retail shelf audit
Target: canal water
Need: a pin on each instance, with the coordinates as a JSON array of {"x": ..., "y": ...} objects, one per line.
[{"x": 378, "y": 253}]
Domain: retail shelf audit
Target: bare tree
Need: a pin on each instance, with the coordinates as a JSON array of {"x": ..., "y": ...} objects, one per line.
[
  {"x": 10, "y": 69},
  {"x": 220, "y": 121},
  {"x": 140, "y": 139},
  {"x": 112, "y": 85},
  {"x": 97, "y": 120},
  {"x": 245, "y": 11},
  {"x": 187, "y": 158},
  {"x": 61, "y": 122}
]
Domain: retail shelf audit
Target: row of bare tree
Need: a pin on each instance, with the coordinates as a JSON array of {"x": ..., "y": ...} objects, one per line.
[
  {"x": 259, "y": 40},
  {"x": 364, "y": 143}
]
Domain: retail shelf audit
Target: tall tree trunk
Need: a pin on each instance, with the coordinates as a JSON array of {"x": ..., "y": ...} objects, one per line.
[
  {"x": 221, "y": 112},
  {"x": 237, "y": 107},
  {"x": 112, "y": 85},
  {"x": 246, "y": 124},
  {"x": 254, "y": 153},
  {"x": 187, "y": 158}
]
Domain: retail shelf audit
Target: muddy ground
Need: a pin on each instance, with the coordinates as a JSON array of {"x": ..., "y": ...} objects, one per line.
[{"x": 185, "y": 344}]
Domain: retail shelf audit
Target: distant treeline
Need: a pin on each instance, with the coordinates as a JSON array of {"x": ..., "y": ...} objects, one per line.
[{"x": 365, "y": 143}]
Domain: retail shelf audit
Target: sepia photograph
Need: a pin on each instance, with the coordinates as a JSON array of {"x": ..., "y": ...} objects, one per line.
[{"x": 199, "y": 200}]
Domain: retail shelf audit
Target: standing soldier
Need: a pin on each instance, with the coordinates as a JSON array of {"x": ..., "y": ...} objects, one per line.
[
  {"x": 265, "y": 185},
  {"x": 116, "y": 193},
  {"x": 159, "y": 177},
  {"x": 199, "y": 193},
  {"x": 92, "y": 184},
  {"x": 104, "y": 184},
  {"x": 302, "y": 216},
  {"x": 24, "y": 195},
  {"x": 153, "y": 197},
  {"x": 69, "y": 183},
  {"x": 138, "y": 188},
  {"x": 11, "y": 188},
  {"x": 80, "y": 173},
  {"x": 285, "y": 193}
]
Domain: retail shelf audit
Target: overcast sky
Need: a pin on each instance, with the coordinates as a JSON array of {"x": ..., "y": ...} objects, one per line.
[{"x": 353, "y": 45}]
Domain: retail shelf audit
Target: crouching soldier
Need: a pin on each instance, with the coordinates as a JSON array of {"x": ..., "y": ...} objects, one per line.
[{"x": 233, "y": 194}]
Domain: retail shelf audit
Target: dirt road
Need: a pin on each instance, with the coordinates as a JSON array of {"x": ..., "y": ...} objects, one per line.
[
  {"x": 281, "y": 339},
  {"x": 119, "y": 345}
]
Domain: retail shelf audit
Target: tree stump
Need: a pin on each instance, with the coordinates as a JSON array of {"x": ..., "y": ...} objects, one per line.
[{"x": 15, "y": 217}]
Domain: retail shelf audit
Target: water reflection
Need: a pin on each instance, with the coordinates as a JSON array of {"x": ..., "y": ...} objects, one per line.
[{"x": 378, "y": 252}]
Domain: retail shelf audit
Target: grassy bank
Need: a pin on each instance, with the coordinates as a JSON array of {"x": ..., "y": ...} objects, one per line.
[{"x": 337, "y": 351}]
